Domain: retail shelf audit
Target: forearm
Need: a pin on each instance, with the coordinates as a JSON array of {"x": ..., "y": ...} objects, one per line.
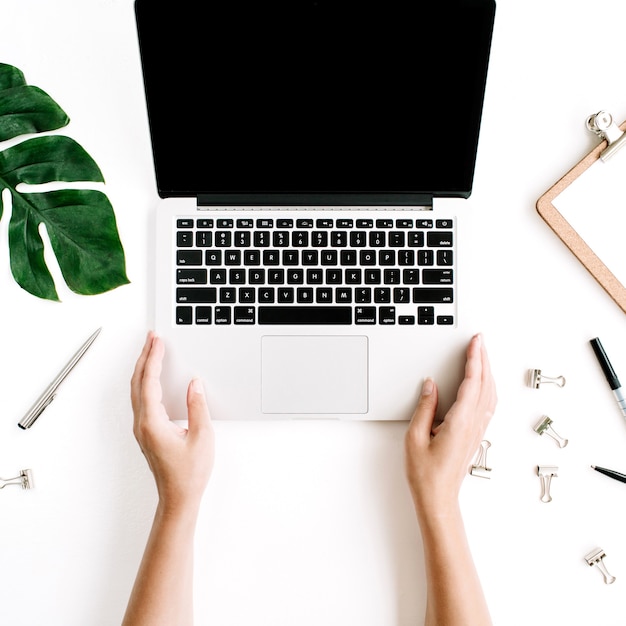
[
  {"x": 454, "y": 593},
  {"x": 163, "y": 590}
]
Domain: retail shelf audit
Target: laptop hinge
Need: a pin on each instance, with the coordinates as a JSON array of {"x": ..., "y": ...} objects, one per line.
[{"x": 414, "y": 201}]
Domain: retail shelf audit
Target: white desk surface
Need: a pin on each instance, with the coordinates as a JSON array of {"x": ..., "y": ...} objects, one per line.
[{"x": 308, "y": 523}]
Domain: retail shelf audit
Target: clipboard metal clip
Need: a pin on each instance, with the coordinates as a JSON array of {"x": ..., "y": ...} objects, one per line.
[{"x": 602, "y": 124}]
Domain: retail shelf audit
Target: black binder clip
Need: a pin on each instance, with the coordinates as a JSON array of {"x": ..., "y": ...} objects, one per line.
[
  {"x": 595, "y": 557},
  {"x": 535, "y": 378},
  {"x": 602, "y": 124}
]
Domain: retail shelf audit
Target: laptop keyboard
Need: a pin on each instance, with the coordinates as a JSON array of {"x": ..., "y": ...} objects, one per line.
[{"x": 339, "y": 271}]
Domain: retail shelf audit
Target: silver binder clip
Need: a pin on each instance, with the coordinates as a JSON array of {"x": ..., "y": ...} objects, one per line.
[
  {"x": 602, "y": 124},
  {"x": 25, "y": 480},
  {"x": 595, "y": 558},
  {"x": 535, "y": 378},
  {"x": 479, "y": 468},
  {"x": 545, "y": 473},
  {"x": 544, "y": 425}
]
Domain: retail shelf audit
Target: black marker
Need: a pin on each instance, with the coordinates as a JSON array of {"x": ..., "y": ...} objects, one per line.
[
  {"x": 610, "y": 473},
  {"x": 610, "y": 374}
]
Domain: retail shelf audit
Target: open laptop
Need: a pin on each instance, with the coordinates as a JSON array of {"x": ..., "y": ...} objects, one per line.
[{"x": 313, "y": 158}]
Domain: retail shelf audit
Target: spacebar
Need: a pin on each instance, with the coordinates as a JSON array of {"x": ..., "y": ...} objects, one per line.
[{"x": 305, "y": 315}]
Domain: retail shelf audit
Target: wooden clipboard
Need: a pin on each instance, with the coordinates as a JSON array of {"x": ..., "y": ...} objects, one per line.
[{"x": 612, "y": 141}]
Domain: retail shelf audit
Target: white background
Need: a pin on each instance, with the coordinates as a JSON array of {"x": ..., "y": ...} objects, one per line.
[{"x": 311, "y": 523}]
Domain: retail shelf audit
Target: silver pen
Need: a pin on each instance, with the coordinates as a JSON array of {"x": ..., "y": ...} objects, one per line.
[{"x": 49, "y": 394}]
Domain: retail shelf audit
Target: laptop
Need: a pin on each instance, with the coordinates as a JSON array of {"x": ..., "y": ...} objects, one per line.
[{"x": 313, "y": 159}]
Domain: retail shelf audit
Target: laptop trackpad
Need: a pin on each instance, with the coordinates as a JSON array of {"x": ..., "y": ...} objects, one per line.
[{"x": 304, "y": 374}]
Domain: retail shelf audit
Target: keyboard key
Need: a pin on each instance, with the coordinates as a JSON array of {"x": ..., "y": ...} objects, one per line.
[
  {"x": 266, "y": 295},
  {"x": 437, "y": 277},
  {"x": 188, "y": 257},
  {"x": 377, "y": 238},
  {"x": 191, "y": 277},
  {"x": 444, "y": 257},
  {"x": 305, "y": 315},
  {"x": 242, "y": 239},
  {"x": 247, "y": 295},
  {"x": 196, "y": 294},
  {"x": 204, "y": 314},
  {"x": 432, "y": 294},
  {"x": 184, "y": 239},
  {"x": 232, "y": 257},
  {"x": 365, "y": 315},
  {"x": 228, "y": 295},
  {"x": 223, "y": 238},
  {"x": 213, "y": 257},
  {"x": 300, "y": 239},
  {"x": 184, "y": 315},
  {"x": 338, "y": 238},
  {"x": 204, "y": 239},
  {"x": 244, "y": 315},
  {"x": 323, "y": 295},
  {"x": 439, "y": 239},
  {"x": 426, "y": 315},
  {"x": 217, "y": 276},
  {"x": 304, "y": 295},
  {"x": 286, "y": 295},
  {"x": 223, "y": 314},
  {"x": 387, "y": 315}
]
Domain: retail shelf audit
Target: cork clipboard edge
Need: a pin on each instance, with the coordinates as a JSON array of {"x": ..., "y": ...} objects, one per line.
[{"x": 571, "y": 238}]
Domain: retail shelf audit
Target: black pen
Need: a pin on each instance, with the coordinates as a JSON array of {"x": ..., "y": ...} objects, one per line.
[
  {"x": 610, "y": 473},
  {"x": 609, "y": 373}
]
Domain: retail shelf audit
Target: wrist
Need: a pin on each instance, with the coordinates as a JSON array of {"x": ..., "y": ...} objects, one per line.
[
  {"x": 180, "y": 509},
  {"x": 431, "y": 512}
]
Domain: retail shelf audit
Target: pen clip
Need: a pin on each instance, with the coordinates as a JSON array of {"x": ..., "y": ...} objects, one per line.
[{"x": 36, "y": 410}]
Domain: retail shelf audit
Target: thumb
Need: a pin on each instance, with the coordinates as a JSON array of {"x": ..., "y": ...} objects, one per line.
[
  {"x": 197, "y": 408},
  {"x": 424, "y": 415}
]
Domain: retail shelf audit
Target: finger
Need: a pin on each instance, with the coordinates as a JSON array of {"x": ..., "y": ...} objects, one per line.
[
  {"x": 424, "y": 416},
  {"x": 488, "y": 391},
  {"x": 470, "y": 386},
  {"x": 198, "y": 414},
  {"x": 137, "y": 377},
  {"x": 151, "y": 392}
]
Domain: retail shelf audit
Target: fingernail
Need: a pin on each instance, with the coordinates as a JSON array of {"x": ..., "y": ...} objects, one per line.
[
  {"x": 197, "y": 386},
  {"x": 427, "y": 386}
]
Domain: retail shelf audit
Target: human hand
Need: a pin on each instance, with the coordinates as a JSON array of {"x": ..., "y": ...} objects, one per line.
[
  {"x": 180, "y": 459},
  {"x": 438, "y": 456}
]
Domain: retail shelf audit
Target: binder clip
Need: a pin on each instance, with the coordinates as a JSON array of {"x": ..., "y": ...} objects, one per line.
[
  {"x": 535, "y": 378},
  {"x": 595, "y": 558},
  {"x": 25, "y": 480},
  {"x": 480, "y": 468},
  {"x": 544, "y": 425},
  {"x": 545, "y": 473},
  {"x": 602, "y": 124}
]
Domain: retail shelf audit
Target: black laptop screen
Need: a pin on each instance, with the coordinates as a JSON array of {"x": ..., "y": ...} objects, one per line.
[{"x": 302, "y": 96}]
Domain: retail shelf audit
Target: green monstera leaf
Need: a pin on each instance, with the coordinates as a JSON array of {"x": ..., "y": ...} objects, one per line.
[{"x": 80, "y": 223}]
